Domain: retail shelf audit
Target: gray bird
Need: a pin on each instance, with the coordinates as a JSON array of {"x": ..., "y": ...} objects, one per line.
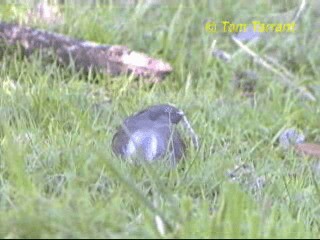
[{"x": 150, "y": 134}]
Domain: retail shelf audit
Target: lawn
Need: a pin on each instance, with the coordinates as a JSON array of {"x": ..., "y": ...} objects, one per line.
[{"x": 60, "y": 179}]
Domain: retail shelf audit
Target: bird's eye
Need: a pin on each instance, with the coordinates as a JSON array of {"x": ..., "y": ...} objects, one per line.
[{"x": 168, "y": 110}]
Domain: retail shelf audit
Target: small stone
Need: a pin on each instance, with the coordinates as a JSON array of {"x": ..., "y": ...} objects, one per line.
[{"x": 290, "y": 137}]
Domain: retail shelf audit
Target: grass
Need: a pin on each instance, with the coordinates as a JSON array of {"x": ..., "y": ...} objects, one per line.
[{"x": 59, "y": 178}]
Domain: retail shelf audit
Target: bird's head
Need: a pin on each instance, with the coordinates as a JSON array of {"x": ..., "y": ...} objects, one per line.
[{"x": 165, "y": 111}]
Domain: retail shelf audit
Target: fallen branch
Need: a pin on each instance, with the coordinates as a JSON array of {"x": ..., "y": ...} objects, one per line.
[{"x": 85, "y": 55}]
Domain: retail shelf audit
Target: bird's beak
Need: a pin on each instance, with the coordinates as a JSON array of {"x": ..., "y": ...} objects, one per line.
[{"x": 181, "y": 113}]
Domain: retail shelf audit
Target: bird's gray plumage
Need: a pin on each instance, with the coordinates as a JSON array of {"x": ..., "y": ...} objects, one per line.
[{"x": 150, "y": 134}]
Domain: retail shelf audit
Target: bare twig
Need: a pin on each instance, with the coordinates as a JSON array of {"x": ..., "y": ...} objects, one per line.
[
  {"x": 284, "y": 76},
  {"x": 300, "y": 10},
  {"x": 273, "y": 61},
  {"x": 194, "y": 137}
]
